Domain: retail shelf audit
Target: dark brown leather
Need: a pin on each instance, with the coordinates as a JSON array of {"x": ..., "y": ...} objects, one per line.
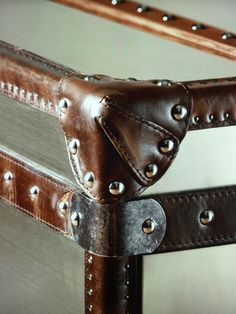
[
  {"x": 177, "y": 28},
  {"x": 120, "y": 124},
  {"x": 112, "y": 285}
]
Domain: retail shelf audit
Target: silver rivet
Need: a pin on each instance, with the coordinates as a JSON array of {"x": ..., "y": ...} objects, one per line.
[
  {"x": 211, "y": 117},
  {"x": 227, "y": 35},
  {"x": 8, "y": 176},
  {"x": 62, "y": 207},
  {"x": 90, "y": 78},
  {"x": 34, "y": 190},
  {"x": 90, "y": 292},
  {"x": 142, "y": 8},
  {"x": 197, "y": 26},
  {"x": 151, "y": 170},
  {"x": 116, "y": 188},
  {"x": 127, "y": 266},
  {"x": 127, "y": 282},
  {"x": 168, "y": 17},
  {"x": 164, "y": 83},
  {"x": 196, "y": 119},
  {"x": 226, "y": 115},
  {"x": 206, "y": 216},
  {"x": 90, "y": 259},
  {"x": 64, "y": 104},
  {"x": 90, "y": 277},
  {"x": 115, "y": 2},
  {"x": 149, "y": 226},
  {"x": 179, "y": 112},
  {"x": 166, "y": 146},
  {"x": 89, "y": 179},
  {"x": 90, "y": 308},
  {"x": 74, "y": 219},
  {"x": 74, "y": 145}
]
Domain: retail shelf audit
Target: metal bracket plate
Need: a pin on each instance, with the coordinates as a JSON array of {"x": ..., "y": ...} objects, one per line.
[{"x": 132, "y": 228}]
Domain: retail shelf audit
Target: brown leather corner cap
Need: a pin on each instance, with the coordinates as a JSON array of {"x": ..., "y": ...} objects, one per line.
[{"x": 122, "y": 136}]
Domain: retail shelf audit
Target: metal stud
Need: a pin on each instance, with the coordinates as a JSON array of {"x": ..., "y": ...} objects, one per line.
[
  {"x": 196, "y": 119},
  {"x": 116, "y": 188},
  {"x": 142, "y": 8},
  {"x": 90, "y": 78},
  {"x": 90, "y": 259},
  {"x": 179, "y": 112},
  {"x": 115, "y": 2},
  {"x": 196, "y": 27},
  {"x": 34, "y": 190},
  {"x": 227, "y": 35},
  {"x": 74, "y": 145},
  {"x": 90, "y": 277},
  {"x": 151, "y": 170},
  {"x": 149, "y": 226},
  {"x": 226, "y": 115},
  {"x": 211, "y": 117},
  {"x": 166, "y": 146},
  {"x": 164, "y": 83},
  {"x": 62, "y": 207},
  {"x": 89, "y": 179},
  {"x": 8, "y": 176},
  {"x": 207, "y": 216},
  {"x": 75, "y": 219},
  {"x": 90, "y": 292},
  {"x": 168, "y": 17},
  {"x": 90, "y": 308},
  {"x": 64, "y": 104}
]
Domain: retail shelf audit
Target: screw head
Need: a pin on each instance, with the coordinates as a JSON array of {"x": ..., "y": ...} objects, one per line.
[
  {"x": 34, "y": 190},
  {"x": 8, "y": 176},
  {"x": 64, "y": 104},
  {"x": 89, "y": 179},
  {"x": 197, "y": 26},
  {"x": 179, "y": 112},
  {"x": 166, "y": 146},
  {"x": 149, "y": 226},
  {"x": 207, "y": 216},
  {"x": 74, "y": 145},
  {"x": 227, "y": 35},
  {"x": 164, "y": 83},
  {"x": 75, "y": 219},
  {"x": 151, "y": 170},
  {"x": 62, "y": 207},
  {"x": 116, "y": 188}
]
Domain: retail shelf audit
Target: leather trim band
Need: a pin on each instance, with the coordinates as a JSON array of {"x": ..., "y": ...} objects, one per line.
[
  {"x": 116, "y": 118},
  {"x": 161, "y": 23}
]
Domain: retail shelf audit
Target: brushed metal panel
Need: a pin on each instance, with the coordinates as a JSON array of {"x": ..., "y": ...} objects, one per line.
[
  {"x": 41, "y": 271},
  {"x": 190, "y": 282}
]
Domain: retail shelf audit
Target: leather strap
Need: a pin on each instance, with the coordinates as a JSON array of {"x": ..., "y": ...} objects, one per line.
[
  {"x": 161, "y": 23},
  {"x": 122, "y": 136}
]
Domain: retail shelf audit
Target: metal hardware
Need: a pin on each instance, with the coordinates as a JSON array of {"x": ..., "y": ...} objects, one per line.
[
  {"x": 179, "y": 112},
  {"x": 142, "y": 8},
  {"x": 115, "y": 2},
  {"x": 211, "y": 117},
  {"x": 151, "y": 170},
  {"x": 88, "y": 179},
  {"x": 164, "y": 83},
  {"x": 207, "y": 216},
  {"x": 197, "y": 26},
  {"x": 226, "y": 115},
  {"x": 166, "y": 146},
  {"x": 227, "y": 35},
  {"x": 119, "y": 229},
  {"x": 34, "y": 190},
  {"x": 149, "y": 226},
  {"x": 74, "y": 218},
  {"x": 8, "y": 176},
  {"x": 64, "y": 104},
  {"x": 62, "y": 207},
  {"x": 168, "y": 17},
  {"x": 90, "y": 78},
  {"x": 74, "y": 145},
  {"x": 116, "y": 188}
]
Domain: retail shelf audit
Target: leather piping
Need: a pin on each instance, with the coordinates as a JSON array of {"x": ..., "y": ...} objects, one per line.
[{"x": 177, "y": 28}]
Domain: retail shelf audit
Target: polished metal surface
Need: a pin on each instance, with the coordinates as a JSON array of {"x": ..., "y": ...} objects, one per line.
[
  {"x": 166, "y": 146},
  {"x": 62, "y": 207},
  {"x": 89, "y": 179},
  {"x": 179, "y": 112},
  {"x": 151, "y": 170},
  {"x": 8, "y": 176},
  {"x": 116, "y": 188},
  {"x": 207, "y": 216},
  {"x": 74, "y": 145}
]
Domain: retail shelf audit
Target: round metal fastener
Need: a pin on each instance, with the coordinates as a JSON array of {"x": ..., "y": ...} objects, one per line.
[
  {"x": 64, "y": 104},
  {"x": 149, "y": 226},
  {"x": 89, "y": 179},
  {"x": 142, "y": 8},
  {"x": 115, "y": 2},
  {"x": 8, "y": 176},
  {"x": 34, "y": 190},
  {"x": 197, "y": 26},
  {"x": 179, "y": 112},
  {"x": 196, "y": 119},
  {"x": 227, "y": 35},
  {"x": 90, "y": 292},
  {"x": 211, "y": 117},
  {"x": 116, "y": 188},
  {"x": 90, "y": 308},
  {"x": 168, "y": 17},
  {"x": 151, "y": 170},
  {"x": 62, "y": 207},
  {"x": 166, "y": 146},
  {"x": 226, "y": 115},
  {"x": 74, "y": 218},
  {"x": 74, "y": 145},
  {"x": 164, "y": 83},
  {"x": 90, "y": 78},
  {"x": 207, "y": 216}
]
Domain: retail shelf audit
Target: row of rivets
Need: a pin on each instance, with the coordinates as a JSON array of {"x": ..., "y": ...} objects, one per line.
[
  {"x": 141, "y": 8},
  {"x": 90, "y": 290},
  {"x": 211, "y": 117}
]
